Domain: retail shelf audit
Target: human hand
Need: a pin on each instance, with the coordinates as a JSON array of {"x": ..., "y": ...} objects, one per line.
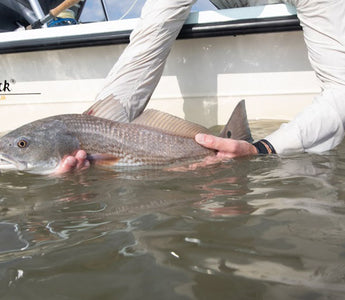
[
  {"x": 227, "y": 148},
  {"x": 71, "y": 163}
]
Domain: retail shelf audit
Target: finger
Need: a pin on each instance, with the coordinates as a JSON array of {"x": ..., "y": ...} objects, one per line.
[
  {"x": 82, "y": 162},
  {"x": 227, "y": 148},
  {"x": 216, "y": 143},
  {"x": 67, "y": 164},
  {"x": 209, "y": 160},
  {"x": 72, "y": 163}
]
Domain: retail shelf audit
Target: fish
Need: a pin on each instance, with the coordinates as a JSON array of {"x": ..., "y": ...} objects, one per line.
[{"x": 153, "y": 139}]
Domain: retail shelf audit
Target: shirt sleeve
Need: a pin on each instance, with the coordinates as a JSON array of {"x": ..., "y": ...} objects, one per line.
[
  {"x": 135, "y": 75},
  {"x": 318, "y": 128}
]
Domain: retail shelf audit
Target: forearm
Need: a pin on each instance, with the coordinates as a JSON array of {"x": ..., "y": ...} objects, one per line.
[
  {"x": 318, "y": 128},
  {"x": 137, "y": 72}
]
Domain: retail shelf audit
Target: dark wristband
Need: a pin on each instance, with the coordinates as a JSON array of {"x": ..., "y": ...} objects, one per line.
[{"x": 264, "y": 147}]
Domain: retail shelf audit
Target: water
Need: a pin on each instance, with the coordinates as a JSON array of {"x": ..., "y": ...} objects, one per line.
[{"x": 259, "y": 228}]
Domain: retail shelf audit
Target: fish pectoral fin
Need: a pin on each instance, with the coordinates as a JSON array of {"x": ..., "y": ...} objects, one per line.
[
  {"x": 169, "y": 124},
  {"x": 237, "y": 127},
  {"x": 103, "y": 159}
]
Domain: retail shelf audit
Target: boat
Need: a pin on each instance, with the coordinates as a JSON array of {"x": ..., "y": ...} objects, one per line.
[{"x": 220, "y": 57}]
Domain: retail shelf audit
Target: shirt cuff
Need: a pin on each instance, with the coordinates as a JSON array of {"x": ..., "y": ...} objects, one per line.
[{"x": 286, "y": 140}]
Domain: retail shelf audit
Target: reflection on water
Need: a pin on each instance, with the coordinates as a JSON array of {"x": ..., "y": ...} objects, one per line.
[{"x": 259, "y": 228}]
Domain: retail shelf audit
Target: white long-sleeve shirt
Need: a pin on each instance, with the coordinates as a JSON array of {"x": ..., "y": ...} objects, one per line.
[{"x": 320, "y": 127}]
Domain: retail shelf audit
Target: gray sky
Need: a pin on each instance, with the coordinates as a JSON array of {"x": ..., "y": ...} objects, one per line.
[{"x": 117, "y": 8}]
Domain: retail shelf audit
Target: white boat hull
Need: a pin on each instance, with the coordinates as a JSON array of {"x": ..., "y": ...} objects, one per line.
[{"x": 203, "y": 80}]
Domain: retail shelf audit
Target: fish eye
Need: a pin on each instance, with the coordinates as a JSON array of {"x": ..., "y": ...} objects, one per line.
[{"x": 22, "y": 143}]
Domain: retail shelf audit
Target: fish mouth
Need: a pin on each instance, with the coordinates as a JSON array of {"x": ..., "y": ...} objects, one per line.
[{"x": 9, "y": 163}]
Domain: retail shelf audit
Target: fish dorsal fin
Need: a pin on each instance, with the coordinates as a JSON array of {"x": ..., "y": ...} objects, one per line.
[
  {"x": 108, "y": 108},
  {"x": 169, "y": 124},
  {"x": 237, "y": 127}
]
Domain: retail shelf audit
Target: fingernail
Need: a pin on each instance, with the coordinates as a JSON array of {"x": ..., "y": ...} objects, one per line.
[
  {"x": 70, "y": 162},
  {"x": 81, "y": 154},
  {"x": 200, "y": 138},
  {"x": 69, "y": 159}
]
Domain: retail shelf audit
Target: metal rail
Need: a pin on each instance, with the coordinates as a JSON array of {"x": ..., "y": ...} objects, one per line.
[{"x": 105, "y": 9}]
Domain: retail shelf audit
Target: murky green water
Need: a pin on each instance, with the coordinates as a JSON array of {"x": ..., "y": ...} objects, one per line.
[{"x": 260, "y": 228}]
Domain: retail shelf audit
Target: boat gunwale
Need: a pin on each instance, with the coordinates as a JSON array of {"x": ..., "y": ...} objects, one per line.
[{"x": 225, "y": 22}]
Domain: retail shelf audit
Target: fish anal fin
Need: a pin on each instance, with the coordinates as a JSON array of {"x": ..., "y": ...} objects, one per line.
[
  {"x": 238, "y": 127},
  {"x": 103, "y": 159},
  {"x": 169, "y": 124}
]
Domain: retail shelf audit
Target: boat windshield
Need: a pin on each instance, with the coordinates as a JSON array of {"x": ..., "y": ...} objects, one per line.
[{"x": 103, "y": 10}]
